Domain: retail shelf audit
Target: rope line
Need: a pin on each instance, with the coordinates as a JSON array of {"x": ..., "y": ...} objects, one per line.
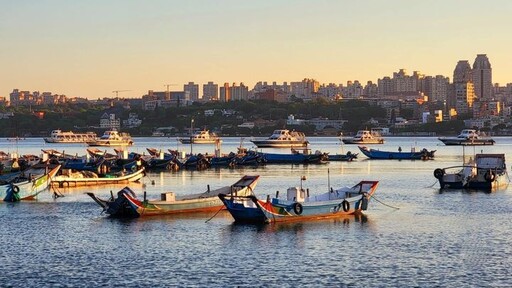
[
  {"x": 214, "y": 214},
  {"x": 396, "y": 208}
]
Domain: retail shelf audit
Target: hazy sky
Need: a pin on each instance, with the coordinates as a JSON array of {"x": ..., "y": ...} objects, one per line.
[{"x": 90, "y": 48}]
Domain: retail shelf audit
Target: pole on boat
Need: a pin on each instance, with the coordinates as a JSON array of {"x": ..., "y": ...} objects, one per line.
[
  {"x": 191, "y": 134},
  {"x": 328, "y": 180}
]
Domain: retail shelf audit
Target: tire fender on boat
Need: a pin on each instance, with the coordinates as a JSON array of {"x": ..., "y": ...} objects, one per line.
[
  {"x": 297, "y": 208},
  {"x": 15, "y": 189},
  {"x": 439, "y": 173},
  {"x": 134, "y": 168},
  {"x": 490, "y": 176},
  {"x": 345, "y": 205}
]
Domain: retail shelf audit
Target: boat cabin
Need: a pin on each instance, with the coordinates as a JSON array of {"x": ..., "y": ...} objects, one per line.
[
  {"x": 295, "y": 194},
  {"x": 468, "y": 134}
]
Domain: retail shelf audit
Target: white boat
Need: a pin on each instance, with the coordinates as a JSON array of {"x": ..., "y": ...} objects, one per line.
[
  {"x": 112, "y": 138},
  {"x": 283, "y": 139},
  {"x": 364, "y": 137},
  {"x": 467, "y": 137},
  {"x": 59, "y": 136},
  {"x": 201, "y": 137}
]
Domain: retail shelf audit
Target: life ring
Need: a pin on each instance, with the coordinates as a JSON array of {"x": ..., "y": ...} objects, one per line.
[
  {"x": 297, "y": 208},
  {"x": 345, "y": 205},
  {"x": 439, "y": 173},
  {"x": 490, "y": 176},
  {"x": 15, "y": 189}
]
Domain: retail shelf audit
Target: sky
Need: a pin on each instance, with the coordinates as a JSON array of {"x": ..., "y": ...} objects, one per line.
[{"x": 91, "y": 48}]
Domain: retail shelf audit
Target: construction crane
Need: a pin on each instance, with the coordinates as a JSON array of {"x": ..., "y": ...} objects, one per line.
[
  {"x": 117, "y": 92},
  {"x": 167, "y": 85}
]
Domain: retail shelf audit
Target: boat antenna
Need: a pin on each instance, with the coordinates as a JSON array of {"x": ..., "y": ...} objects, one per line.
[{"x": 328, "y": 180}]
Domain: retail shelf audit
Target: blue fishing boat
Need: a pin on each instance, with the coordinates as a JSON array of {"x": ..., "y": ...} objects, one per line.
[
  {"x": 423, "y": 154},
  {"x": 299, "y": 205},
  {"x": 296, "y": 157},
  {"x": 349, "y": 156}
]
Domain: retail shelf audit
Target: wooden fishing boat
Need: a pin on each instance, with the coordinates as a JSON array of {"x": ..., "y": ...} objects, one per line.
[
  {"x": 89, "y": 178},
  {"x": 299, "y": 205},
  {"x": 467, "y": 137},
  {"x": 296, "y": 157},
  {"x": 349, "y": 156},
  {"x": 486, "y": 172},
  {"x": 127, "y": 205},
  {"x": 423, "y": 154},
  {"x": 28, "y": 184}
]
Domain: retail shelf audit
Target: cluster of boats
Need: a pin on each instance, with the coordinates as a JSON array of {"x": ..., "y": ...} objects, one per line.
[
  {"x": 245, "y": 207},
  {"x": 31, "y": 175}
]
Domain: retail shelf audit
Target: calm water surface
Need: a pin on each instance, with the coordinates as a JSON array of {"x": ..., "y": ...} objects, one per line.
[{"x": 450, "y": 239}]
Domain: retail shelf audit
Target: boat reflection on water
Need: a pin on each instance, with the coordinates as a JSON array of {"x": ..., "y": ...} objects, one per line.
[{"x": 345, "y": 221}]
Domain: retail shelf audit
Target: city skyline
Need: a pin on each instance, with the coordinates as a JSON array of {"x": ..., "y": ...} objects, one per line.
[{"x": 93, "y": 48}]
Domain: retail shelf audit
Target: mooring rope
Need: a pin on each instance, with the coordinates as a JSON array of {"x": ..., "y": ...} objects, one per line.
[
  {"x": 214, "y": 215},
  {"x": 435, "y": 182},
  {"x": 385, "y": 203}
]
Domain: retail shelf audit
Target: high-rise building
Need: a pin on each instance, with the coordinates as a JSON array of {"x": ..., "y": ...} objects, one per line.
[
  {"x": 238, "y": 92},
  {"x": 193, "y": 90},
  {"x": 462, "y": 72},
  {"x": 210, "y": 92},
  {"x": 482, "y": 77},
  {"x": 464, "y": 97},
  {"x": 224, "y": 95}
]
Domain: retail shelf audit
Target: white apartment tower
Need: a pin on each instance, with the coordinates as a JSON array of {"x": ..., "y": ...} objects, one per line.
[
  {"x": 210, "y": 91},
  {"x": 482, "y": 77}
]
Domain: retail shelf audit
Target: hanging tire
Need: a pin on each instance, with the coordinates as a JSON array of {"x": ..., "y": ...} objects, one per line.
[
  {"x": 134, "y": 168},
  {"x": 439, "y": 173},
  {"x": 490, "y": 176},
  {"x": 345, "y": 205},
  {"x": 297, "y": 208},
  {"x": 15, "y": 189}
]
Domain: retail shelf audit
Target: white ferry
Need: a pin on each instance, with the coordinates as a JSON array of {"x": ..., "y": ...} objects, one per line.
[
  {"x": 364, "y": 137},
  {"x": 467, "y": 137},
  {"x": 283, "y": 139},
  {"x": 201, "y": 137},
  {"x": 59, "y": 136},
  {"x": 112, "y": 138}
]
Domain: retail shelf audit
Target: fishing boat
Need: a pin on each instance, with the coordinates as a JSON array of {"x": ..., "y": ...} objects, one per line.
[
  {"x": 299, "y": 205},
  {"x": 295, "y": 157},
  {"x": 484, "y": 172},
  {"x": 59, "y": 136},
  {"x": 70, "y": 178},
  {"x": 423, "y": 154},
  {"x": 201, "y": 137},
  {"x": 28, "y": 184},
  {"x": 112, "y": 138},
  {"x": 127, "y": 205},
  {"x": 364, "y": 137},
  {"x": 282, "y": 139},
  {"x": 348, "y": 157},
  {"x": 467, "y": 137}
]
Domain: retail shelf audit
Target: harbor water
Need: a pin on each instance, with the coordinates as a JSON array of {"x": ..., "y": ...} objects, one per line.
[{"x": 451, "y": 238}]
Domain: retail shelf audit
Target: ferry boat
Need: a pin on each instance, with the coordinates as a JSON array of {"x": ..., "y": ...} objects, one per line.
[
  {"x": 59, "y": 136},
  {"x": 364, "y": 137},
  {"x": 112, "y": 138},
  {"x": 467, "y": 137},
  {"x": 201, "y": 137},
  {"x": 282, "y": 139}
]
